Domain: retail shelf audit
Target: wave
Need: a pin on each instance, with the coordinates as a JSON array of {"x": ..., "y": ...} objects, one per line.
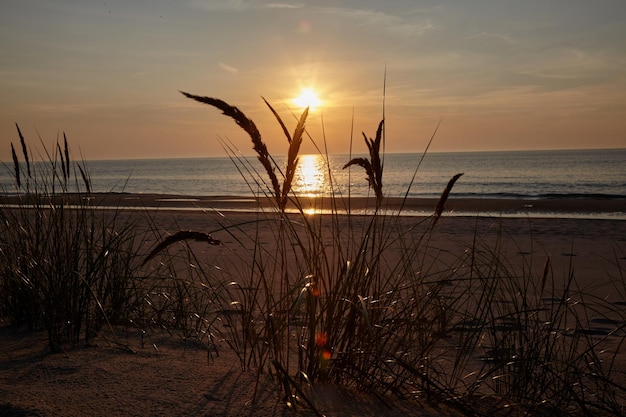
[{"x": 537, "y": 196}]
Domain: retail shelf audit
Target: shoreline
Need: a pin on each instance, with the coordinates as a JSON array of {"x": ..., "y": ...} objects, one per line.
[{"x": 591, "y": 208}]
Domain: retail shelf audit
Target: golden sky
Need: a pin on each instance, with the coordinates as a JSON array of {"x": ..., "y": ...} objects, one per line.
[{"x": 530, "y": 74}]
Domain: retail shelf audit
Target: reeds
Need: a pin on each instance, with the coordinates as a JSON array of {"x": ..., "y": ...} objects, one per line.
[
  {"x": 373, "y": 167},
  {"x": 363, "y": 301},
  {"x": 280, "y": 194},
  {"x": 64, "y": 265},
  {"x": 366, "y": 301}
]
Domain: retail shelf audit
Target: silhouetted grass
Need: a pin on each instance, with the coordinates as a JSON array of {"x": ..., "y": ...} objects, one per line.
[
  {"x": 64, "y": 264},
  {"x": 366, "y": 301}
]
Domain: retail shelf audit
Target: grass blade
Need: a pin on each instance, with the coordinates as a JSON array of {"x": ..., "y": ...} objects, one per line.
[
  {"x": 279, "y": 119},
  {"x": 67, "y": 157}
]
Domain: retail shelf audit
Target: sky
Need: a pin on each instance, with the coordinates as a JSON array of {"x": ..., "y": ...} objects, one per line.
[{"x": 494, "y": 75}]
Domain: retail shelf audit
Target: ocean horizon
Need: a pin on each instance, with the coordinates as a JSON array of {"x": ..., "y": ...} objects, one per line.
[{"x": 554, "y": 174}]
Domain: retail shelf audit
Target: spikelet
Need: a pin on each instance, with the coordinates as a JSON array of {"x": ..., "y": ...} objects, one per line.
[
  {"x": 373, "y": 167},
  {"x": 377, "y": 167},
  {"x": 24, "y": 149},
  {"x": 180, "y": 236},
  {"x": 292, "y": 155},
  {"x": 250, "y": 128},
  {"x": 16, "y": 165},
  {"x": 444, "y": 197},
  {"x": 292, "y": 158},
  {"x": 366, "y": 165}
]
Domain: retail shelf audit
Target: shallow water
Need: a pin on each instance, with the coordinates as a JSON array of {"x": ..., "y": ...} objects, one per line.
[{"x": 597, "y": 174}]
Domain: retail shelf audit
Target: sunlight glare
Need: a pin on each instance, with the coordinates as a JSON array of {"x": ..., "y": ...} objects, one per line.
[
  {"x": 307, "y": 98},
  {"x": 310, "y": 179}
]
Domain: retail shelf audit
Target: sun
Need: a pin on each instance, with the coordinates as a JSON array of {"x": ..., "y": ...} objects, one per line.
[{"x": 307, "y": 98}]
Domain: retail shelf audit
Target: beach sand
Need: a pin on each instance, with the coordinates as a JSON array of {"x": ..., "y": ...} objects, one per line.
[{"x": 161, "y": 375}]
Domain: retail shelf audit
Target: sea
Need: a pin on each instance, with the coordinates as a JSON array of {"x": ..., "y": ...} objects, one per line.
[{"x": 552, "y": 174}]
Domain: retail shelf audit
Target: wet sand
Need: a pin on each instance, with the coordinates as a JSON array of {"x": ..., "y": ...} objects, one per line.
[
  {"x": 414, "y": 206},
  {"x": 410, "y": 205}
]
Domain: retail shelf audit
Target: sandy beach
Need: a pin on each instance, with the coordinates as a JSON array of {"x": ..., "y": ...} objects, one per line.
[
  {"x": 257, "y": 208},
  {"x": 495, "y": 207},
  {"x": 156, "y": 374}
]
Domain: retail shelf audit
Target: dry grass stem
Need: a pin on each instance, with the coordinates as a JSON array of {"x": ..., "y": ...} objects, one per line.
[
  {"x": 444, "y": 197},
  {"x": 180, "y": 236}
]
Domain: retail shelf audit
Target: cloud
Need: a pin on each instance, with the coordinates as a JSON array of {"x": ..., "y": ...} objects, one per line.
[
  {"x": 228, "y": 68},
  {"x": 223, "y": 5},
  {"x": 490, "y": 36},
  {"x": 379, "y": 20},
  {"x": 283, "y": 6},
  {"x": 572, "y": 63},
  {"x": 427, "y": 10},
  {"x": 242, "y": 5}
]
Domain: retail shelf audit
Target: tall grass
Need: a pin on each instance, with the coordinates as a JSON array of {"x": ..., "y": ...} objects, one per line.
[
  {"x": 368, "y": 301},
  {"x": 64, "y": 264}
]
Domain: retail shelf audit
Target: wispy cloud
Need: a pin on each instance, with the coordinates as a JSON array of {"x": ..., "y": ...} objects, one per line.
[
  {"x": 228, "y": 68},
  {"x": 284, "y": 6},
  {"x": 242, "y": 5},
  {"x": 378, "y": 20},
  {"x": 224, "y": 5},
  {"x": 491, "y": 36},
  {"x": 426, "y": 10},
  {"x": 573, "y": 63}
]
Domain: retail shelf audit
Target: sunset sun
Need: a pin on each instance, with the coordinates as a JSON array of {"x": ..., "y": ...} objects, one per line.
[{"x": 307, "y": 98}]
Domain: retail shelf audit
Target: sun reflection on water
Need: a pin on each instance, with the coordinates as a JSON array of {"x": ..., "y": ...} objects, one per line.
[{"x": 311, "y": 178}]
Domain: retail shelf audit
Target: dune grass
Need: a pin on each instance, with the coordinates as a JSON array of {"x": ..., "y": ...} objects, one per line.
[
  {"x": 367, "y": 302},
  {"x": 64, "y": 264},
  {"x": 362, "y": 301}
]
